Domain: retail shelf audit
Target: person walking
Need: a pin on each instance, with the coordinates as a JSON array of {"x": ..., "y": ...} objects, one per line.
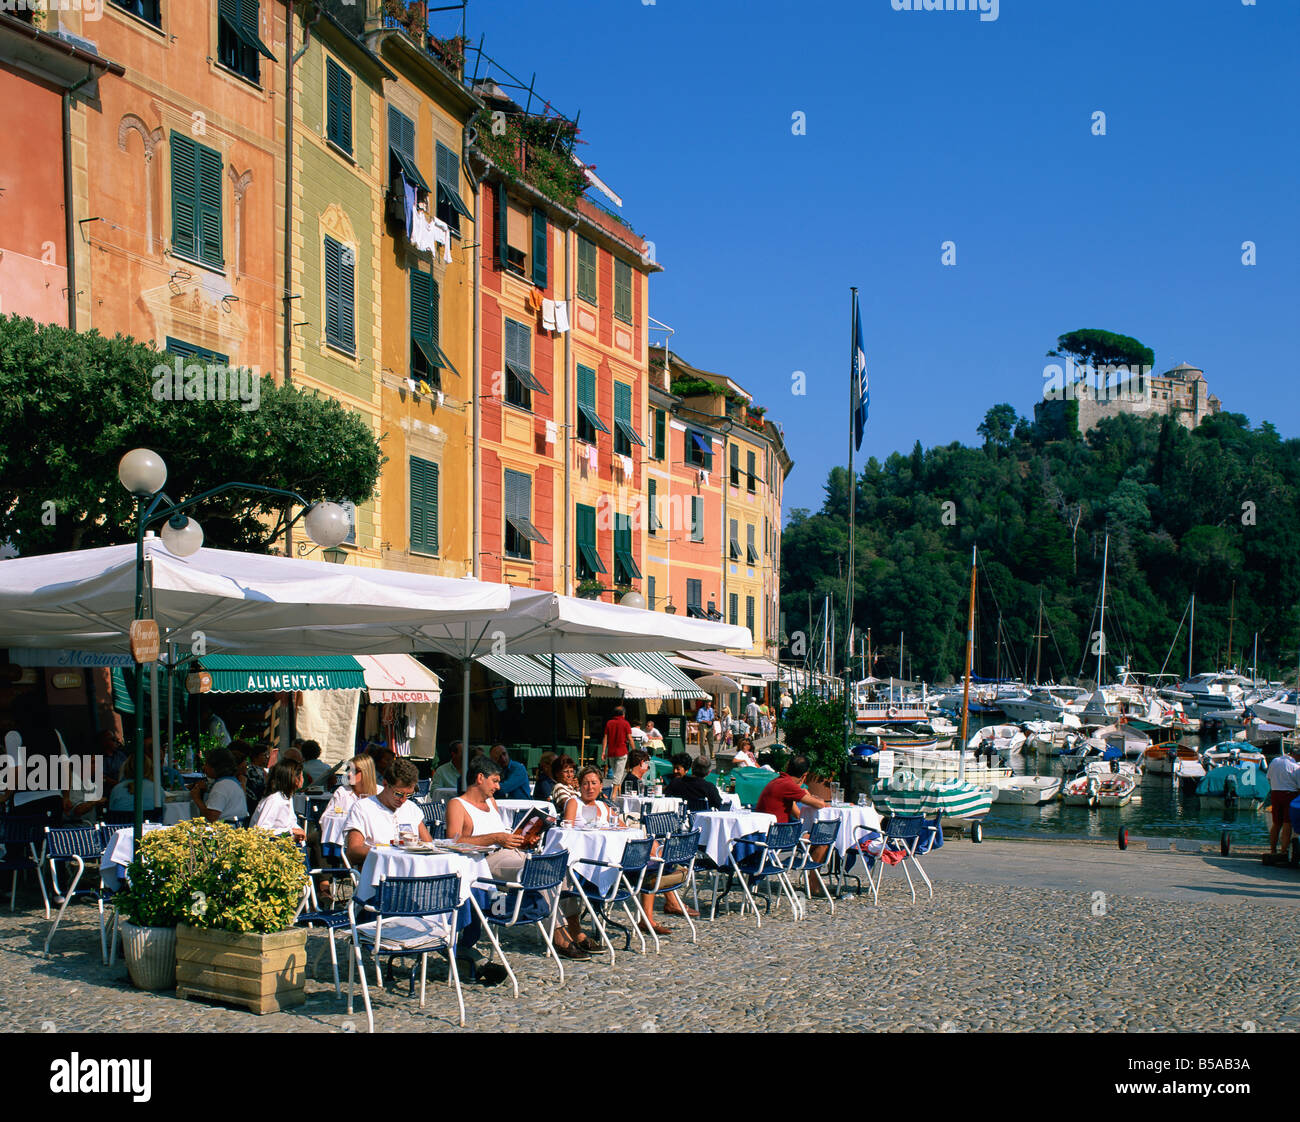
[{"x": 704, "y": 718}]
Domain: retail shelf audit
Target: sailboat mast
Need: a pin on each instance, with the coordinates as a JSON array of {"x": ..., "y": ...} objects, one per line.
[
  {"x": 1038, "y": 634},
  {"x": 1101, "y": 635},
  {"x": 1232, "y": 615},
  {"x": 1191, "y": 636},
  {"x": 965, "y": 693}
]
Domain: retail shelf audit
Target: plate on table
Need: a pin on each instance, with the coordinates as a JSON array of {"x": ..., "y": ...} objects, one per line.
[
  {"x": 419, "y": 850},
  {"x": 463, "y": 849}
]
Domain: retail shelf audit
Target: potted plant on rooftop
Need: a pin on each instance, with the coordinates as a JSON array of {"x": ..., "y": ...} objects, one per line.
[{"x": 814, "y": 727}]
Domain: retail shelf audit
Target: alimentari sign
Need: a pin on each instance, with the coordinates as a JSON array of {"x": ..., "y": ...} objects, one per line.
[{"x": 291, "y": 683}]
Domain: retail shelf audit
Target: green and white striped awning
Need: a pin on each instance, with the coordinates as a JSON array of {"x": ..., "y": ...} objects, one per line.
[
  {"x": 657, "y": 666},
  {"x": 282, "y": 674},
  {"x": 531, "y": 677}
]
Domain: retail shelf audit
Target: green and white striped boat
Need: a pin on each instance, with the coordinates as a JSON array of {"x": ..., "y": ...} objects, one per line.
[{"x": 904, "y": 793}]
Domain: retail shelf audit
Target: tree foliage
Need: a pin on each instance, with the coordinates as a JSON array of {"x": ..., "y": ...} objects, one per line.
[
  {"x": 1093, "y": 347},
  {"x": 1205, "y": 510},
  {"x": 72, "y": 403}
]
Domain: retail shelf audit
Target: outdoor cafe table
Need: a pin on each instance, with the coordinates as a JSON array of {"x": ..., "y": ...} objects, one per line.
[
  {"x": 718, "y": 828},
  {"x": 850, "y": 816},
  {"x": 118, "y": 854},
  {"x": 331, "y": 827},
  {"x": 592, "y": 845},
  {"x": 385, "y": 861}
]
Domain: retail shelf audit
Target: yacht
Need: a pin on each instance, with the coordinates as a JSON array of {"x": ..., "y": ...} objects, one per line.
[
  {"x": 1280, "y": 709},
  {"x": 1044, "y": 703}
]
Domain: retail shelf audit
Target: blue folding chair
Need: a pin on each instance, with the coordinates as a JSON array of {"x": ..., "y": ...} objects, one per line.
[
  {"x": 621, "y": 892},
  {"x": 663, "y": 824},
  {"x": 679, "y": 851},
  {"x": 822, "y": 833},
  {"x": 903, "y": 837},
  {"x": 420, "y": 913},
  {"x": 532, "y": 899},
  {"x": 332, "y": 919},
  {"x": 767, "y": 860},
  {"x": 435, "y": 817},
  {"x": 23, "y": 839},
  {"x": 81, "y": 847}
]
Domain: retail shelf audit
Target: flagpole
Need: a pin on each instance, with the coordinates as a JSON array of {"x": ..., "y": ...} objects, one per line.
[{"x": 849, "y": 711}]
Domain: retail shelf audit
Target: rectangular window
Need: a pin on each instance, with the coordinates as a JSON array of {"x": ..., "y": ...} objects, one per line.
[
  {"x": 513, "y": 236},
  {"x": 589, "y": 563},
  {"x": 622, "y": 291},
  {"x": 733, "y": 602},
  {"x": 734, "y": 540},
  {"x": 338, "y": 106},
  {"x": 625, "y": 567},
  {"x": 239, "y": 43},
  {"x": 697, "y": 518},
  {"x": 424, "y": 506},
  {"x": 624, "y": 434},
  {"x": 427, "y": 357},
  {"x": 520, "y": 382},
  {"x": 539, "y": 247},
  {"x": 189, "y": 350},
  {"x": 196, "y": 201},
  {"x": 589, "y": 422},
  {"x": 586, "y": 270},
  {"x": 750, "y": 471},
  {"x": 148, "y": 10},
  {"x": 401, "y": 149},
  {"x": 661, "y": 434},
  {"x": 735, "y": 465},
  {"x": 699, "y": 449},
  {"x": 451, "y": 207},
  {"x": 340, "y": 296},
  {"x": 749, "y": 613},
  {"x": 751, "y": 552},
  {"x": 650, "y": 593},
  {"x": 520, "y": 531},
  {"x": 694, "y": 608},
  {"x": 652, "y": 503}
]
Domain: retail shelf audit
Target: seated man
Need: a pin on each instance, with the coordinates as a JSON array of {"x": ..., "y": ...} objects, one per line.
[
  {"x": 695, "y": 788},
  {"x": 377, "y": 819},
  {"x": 514, "y": 776},
  {"x": 779, "y": 798},
  {"x": 638, "y": 781},
  {"x": 449, "y": 774},
  {"x": 474, "y": 819},
  {"x": 314, "y": 769},
  {"x": 654, "y": 739}
]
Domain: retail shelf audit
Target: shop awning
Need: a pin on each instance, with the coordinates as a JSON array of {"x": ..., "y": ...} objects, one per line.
[
  {"x": 659, "y": 667},
  {"x": 283, "y": 673},
  {"x": 734, "y": 666},
  {"x": 531, "y": 677},
  {"x": 399, "y": 680}
]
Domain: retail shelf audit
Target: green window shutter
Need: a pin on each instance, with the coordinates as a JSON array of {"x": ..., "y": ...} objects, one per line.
[
  {"x": 650, "y": 593},
  {"x": 586, "y": 386},
  {"x": 424, "y": 506},
  {"x": 735, "y": 465},
  {"x": 209, "y": 211},
  {"x": 503, "y": 226},
  {"x": 401, "y": 133},
  {"x": 185, "y": 195},
  {"x": 622, "y": 290},
  {"x": 250, "y": 25},
  {"x": 652, "y": 499},
  {"x": 697, "y": 518},
  {"x": 661, "y": 434},
  {"x": 338, "y": 113},
  {"x": 421, "y": 306},
  {"x": 587, "y": 270},
  {"x": 733, "y": 602},
  {"x": 340, "y": 296},
  {"x": 749, "y": 613},
  {"x": 539, "y": 247},
  {"x": 623, "y": 403}
]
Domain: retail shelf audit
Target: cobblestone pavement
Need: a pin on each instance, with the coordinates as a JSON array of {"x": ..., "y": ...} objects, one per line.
[{"x": 979, "y": 956}]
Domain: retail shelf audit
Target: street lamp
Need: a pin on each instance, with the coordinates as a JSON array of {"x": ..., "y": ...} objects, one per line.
[
  {"x": 144, "y": 474},
  {"x": 632, "y": 599}
]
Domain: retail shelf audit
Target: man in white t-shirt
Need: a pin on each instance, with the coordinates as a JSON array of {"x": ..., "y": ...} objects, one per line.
[
  {"x": 376, "y": 820},
  {"x": 1284, "y": 785}
]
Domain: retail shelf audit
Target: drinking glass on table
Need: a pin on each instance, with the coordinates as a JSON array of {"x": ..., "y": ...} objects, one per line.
[{"x": 406, "y": 834}]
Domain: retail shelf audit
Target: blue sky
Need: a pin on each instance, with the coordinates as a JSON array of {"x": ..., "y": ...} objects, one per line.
[{"x": 926, "y": 127}]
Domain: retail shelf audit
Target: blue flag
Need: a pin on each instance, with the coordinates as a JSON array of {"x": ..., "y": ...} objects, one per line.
[{"x": 861, "y": 394}]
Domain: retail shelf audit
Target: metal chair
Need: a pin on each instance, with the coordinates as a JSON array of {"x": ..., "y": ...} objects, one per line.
[
  {"x": 78, "y": 846},
  {"x": 636, "y": 856},
  {"x": 676, "y": 852},
  {"x": 663, "y": 824},
  {"x": 897, "y": 844},
  {"x": 532, "y": 899},
  {"x": 435, "y": 817},
  {"x": 768, "y": 860},
  {"x": 23, "y": 839},
  {"x": 822, "y": 833},
  {"x": 431, "y": 903},
  {"x": 332, "y": 919}
]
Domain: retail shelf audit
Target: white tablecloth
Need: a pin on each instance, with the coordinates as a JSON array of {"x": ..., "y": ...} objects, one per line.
[
  {"x": 718, "y": 828},
  {"x": 851, "y": 817},
  {"x": 595, "y": 845},
  {"x": 178, "y": 811},
  {"x": 119, "y": 853},
  {"x": 386, "y": 861},
  {"x": 648, "y": 804},
  {"x": 331, "y": 827},
  {"x": 508, "y": 807},
  {"x": 730, "y": 800}
]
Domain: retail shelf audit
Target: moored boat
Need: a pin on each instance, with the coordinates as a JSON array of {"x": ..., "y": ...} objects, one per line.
[
  {"x": 1028, "y": 790},
  {"x": 1082, "y": 790}
]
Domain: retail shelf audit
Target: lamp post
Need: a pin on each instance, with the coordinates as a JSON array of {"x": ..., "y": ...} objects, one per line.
[{"x": 144, "y": 474}]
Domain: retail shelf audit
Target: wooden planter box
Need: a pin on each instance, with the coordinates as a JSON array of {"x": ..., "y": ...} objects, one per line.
[{"x": 264, "y": 973}]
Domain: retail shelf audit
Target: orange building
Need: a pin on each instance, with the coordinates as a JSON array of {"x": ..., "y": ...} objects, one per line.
[{"x": 42, "y": 182}]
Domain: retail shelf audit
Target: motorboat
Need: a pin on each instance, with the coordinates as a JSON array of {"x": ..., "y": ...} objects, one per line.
[
  {"x": 1028, "y": 790},
  {"x": 1045, "y": 703},
  {"x": 1213, "y": 696},
  {"x": 1082, "y": 790},
  {"x": 1132, "y": 742},
  {"x": 1280, "y": 709},
  {"x": 1234, "y": 784},
  {"x": 1053, "y": 737},
  {"x": 1116, "y": 789},
  {"x": 1005, "y": 740}
]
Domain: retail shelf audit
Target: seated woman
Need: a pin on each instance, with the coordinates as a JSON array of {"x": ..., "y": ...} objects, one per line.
[
  {"x": 122, "y": 797},
  {"x": 745, "y": 754},
  {"x": 474, "y": 819},
  {"x": 542, "y": 788},
  {"x": 565, "y": 774},
  {"x": 275, "y": 812},
  {"x": 220, "y": 795},
  {"x": 587, "y": 807},
  {"x": 358, "y": 783}
]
